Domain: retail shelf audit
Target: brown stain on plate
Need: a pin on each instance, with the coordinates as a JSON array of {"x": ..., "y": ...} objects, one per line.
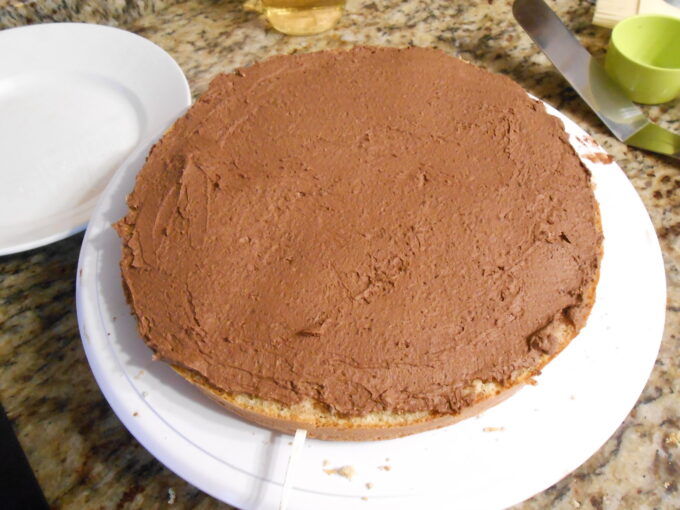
[{"x": 599, "y": 157}]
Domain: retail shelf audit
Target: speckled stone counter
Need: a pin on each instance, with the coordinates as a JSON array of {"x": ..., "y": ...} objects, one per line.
[
  {"x": 84, "y": 457},
  {"x": 16, "y": 13}
]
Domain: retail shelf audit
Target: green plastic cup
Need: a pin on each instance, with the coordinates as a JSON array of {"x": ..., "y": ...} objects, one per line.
[{"x": 644, "y": 57}]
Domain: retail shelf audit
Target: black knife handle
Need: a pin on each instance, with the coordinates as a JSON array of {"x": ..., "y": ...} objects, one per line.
[{"x": 19, "y": 488}]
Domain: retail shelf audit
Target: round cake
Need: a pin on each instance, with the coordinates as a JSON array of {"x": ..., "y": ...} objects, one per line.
[{"x": 364, "y": 244}]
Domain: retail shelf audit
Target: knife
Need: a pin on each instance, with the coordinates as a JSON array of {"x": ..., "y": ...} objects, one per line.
[
  {"x": 18, "y": 487},
  {"x": 585, "y": 74}
]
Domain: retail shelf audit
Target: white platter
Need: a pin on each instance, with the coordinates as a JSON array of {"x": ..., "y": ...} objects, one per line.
[
  {"x": 75, "y": 99},
  {"x": 506, "y": 455}
]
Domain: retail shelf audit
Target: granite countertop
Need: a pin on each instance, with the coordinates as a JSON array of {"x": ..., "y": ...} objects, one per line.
[{"x": 82, "y": 455}]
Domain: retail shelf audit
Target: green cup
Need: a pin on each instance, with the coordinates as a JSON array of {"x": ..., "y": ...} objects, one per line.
[{"x": 644, "y": 57}]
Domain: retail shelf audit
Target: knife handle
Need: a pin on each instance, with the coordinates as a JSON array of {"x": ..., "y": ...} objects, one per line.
[{"x": 18, "y": 486}]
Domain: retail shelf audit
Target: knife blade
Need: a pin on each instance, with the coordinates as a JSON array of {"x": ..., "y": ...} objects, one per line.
[{"x": 587, "y": 76}]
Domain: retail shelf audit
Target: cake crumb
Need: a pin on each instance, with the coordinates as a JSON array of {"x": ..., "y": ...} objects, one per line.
[
  {"x": 344, "y": 471},
  {"x": 575, "y": 503},
  {"x": 290, "y": 443},
  {"x": 387, "y": 459},
  {"x": 572, "y": 397},
  {"x": 171, "y": 496},
  {"x": 135, "y": 413},
  {"x": 599, "y": 157},
  {"x": 672, "y": 439},
  {"x": 385, "y": 468},
  {"x": 493, "y": 429},
  {"x": 369, "y": 485},
  {"x": 587, "y": 140},
  {"x": 325, "y": 462},
  {"x": 364, "y": 498}
]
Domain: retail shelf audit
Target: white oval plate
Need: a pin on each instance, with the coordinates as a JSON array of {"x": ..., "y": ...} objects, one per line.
[
  {"x": 506, "y": 455},
  {"x": 75, "y": 100}
]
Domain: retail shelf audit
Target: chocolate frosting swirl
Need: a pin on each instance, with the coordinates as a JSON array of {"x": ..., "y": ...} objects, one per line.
[{"x": 373, "y": 229}]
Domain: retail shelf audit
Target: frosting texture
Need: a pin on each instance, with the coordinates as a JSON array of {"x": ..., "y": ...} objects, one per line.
[{"x": 373, "y": 229}]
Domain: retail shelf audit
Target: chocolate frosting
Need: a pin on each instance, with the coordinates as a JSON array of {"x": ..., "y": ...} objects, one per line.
[{"x": 374, "y": 229}]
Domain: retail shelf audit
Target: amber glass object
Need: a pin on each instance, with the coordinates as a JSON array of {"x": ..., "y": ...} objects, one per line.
[{"x": 302, "y": 17}]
